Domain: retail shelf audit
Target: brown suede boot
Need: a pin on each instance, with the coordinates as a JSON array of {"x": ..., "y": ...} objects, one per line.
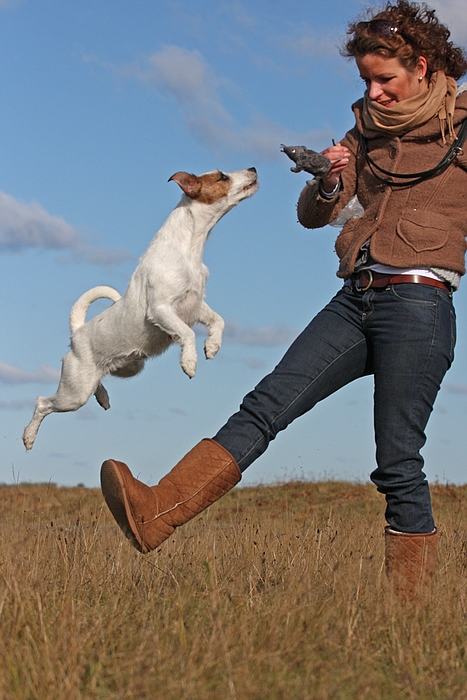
[
  {"x": 410, "y": 564},
  {"x": 148, "y": 515}
]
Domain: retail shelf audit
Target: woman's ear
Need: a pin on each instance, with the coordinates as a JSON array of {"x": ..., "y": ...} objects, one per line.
[{"x": 422, "y": 67}]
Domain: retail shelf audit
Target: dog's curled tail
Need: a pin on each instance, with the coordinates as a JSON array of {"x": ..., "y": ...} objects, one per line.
[{"x": 79, "y": 308}]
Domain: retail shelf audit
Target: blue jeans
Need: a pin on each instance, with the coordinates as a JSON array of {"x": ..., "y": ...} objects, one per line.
[{"x": 404, "y": 335}]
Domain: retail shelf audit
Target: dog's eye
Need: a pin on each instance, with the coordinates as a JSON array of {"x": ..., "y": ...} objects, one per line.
[{"x": 223, "y": 176}]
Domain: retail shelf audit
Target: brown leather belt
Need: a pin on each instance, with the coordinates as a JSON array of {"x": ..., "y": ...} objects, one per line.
[{"x": 367, "y": 279}]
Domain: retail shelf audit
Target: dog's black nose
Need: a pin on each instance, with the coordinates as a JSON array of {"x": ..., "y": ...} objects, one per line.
[{"x": 253, "y": 170}]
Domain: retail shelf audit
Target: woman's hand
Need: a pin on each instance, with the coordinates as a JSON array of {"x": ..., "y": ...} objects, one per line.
[{"x": 339, "y": 156}]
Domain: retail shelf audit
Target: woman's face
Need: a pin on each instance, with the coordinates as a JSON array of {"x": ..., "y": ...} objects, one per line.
[{"x": 388, "y": 82}]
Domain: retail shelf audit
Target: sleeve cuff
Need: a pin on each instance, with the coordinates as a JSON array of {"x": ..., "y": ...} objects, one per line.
[{"x": 329, "y": 195}]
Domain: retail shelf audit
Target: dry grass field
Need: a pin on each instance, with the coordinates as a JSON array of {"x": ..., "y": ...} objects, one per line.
[{"x": 274, "y": 592}]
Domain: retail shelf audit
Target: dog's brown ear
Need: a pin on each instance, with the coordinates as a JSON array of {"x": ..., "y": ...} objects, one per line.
[{"x": 190, "y": 184}]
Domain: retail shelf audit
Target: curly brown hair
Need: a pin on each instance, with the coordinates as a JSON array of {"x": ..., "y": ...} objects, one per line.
[{"x": 419, "y": 33}]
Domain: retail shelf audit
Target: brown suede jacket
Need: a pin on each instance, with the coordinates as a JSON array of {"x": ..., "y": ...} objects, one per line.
[{"x": 420, "y": 226}]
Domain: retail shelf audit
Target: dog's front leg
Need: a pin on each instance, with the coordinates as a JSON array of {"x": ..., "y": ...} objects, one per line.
[
  {"x": 215, "y": 325},
  {"x": 165, "y": 318}
]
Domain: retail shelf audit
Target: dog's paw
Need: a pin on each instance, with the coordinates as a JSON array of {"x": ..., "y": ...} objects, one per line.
[
  {"x": 188, "y": 363},
  {"x": 189, "y": 359},
  {"x": 211, "y": 348},
  {"x": 28, "y": 439},
  {"x": 189, "y": 368}
]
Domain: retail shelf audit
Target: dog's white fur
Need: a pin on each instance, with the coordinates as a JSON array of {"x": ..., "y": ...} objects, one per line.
[{"x": 164, "y": 299}]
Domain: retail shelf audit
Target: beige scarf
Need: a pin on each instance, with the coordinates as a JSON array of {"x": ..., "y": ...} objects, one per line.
[{"x": 439, "y": 100}]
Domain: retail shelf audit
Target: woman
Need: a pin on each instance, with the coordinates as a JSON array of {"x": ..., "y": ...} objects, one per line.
[{"x": 393, "y": 318}]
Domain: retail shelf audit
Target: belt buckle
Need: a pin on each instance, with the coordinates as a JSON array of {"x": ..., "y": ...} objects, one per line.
[{"x": 358, "y": 287}]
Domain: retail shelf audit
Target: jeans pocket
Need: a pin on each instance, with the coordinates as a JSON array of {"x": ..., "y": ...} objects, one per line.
[{"x": 415, "y": 293}]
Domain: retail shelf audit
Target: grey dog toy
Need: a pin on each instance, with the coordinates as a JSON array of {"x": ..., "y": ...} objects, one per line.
[{"x": 307, "y": 160}]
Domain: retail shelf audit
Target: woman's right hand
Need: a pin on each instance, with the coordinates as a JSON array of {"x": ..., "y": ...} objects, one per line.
[{"x": 339, "y": 156}]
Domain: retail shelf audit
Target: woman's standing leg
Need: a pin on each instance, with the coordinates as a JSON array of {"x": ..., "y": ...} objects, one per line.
[{"x": 412, "y": 331}]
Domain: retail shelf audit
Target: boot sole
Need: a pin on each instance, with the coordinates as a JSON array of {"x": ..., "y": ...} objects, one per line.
[{"x": 113, "y": 488}]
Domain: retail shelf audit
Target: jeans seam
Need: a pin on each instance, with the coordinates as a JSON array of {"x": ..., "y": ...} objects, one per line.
[
  {"x": 452, "y": 318},
  {"x": 427, "y": 509}
]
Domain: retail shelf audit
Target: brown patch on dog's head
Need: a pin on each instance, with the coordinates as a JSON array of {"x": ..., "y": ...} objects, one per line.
[
  {"x": 214, "y": 186},
  {"x": 207, "y": 189}
]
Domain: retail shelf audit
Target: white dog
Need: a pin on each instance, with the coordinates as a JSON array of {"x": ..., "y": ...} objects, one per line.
[{"x": 164, "y": 299}]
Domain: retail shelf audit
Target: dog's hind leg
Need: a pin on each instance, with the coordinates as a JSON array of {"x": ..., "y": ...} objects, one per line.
[
  {"x": 102, "y": 396},
  {"x": 43, "y": 407},
  {"x": 215, "y": 325},
  {"x": 77, "y": 382}
]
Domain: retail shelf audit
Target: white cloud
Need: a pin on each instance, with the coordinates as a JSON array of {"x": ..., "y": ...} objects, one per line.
[
  {"x": 11, "y": 374},
  {"x": 186, "y": 77},
  {"x": 29, "y": 225},
  {"x": 183, "y": 74},
  {"x": 268, "y": 336},
  {"x": 24, "y": 226}
]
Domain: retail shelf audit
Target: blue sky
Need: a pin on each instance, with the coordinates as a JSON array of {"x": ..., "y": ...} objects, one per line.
[{"x": 102, "y": 101}]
